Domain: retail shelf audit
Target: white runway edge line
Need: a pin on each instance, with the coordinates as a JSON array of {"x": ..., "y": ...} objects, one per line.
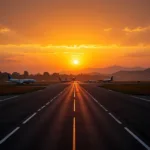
[
  {"x": 29, "y": 118},
  {"x": 9, "y": 135},
  {"x": 102, "y": 107},
  {"x": 39, "y": 110},
  {"x": 143, "y": 99},
  {"x": 17, "y": 128},
  {"x": 97, "y": 102},
  {"x": 9, "y": 98},
  {"x": 129, "y": 131},
  {"x": 115, "y": 118},
  {"x": 137, "y": 138},
  {"x": 42, "y": 107},
  {"x": 110, "y": 90},
  {"x": 47, "y": 103},
  {"x": 50, "y": 101}
]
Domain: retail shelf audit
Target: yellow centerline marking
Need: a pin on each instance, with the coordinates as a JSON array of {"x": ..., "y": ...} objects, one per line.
[
  {"x": 74, "y": 106},
  {"x": 74, "y": 134},
  {"x": 74, "y": 93}
]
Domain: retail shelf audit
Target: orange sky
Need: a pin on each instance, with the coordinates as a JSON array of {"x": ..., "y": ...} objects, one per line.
[{"x": 42, "y": 35}]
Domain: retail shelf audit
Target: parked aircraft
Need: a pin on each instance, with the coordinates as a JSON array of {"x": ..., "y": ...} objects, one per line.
[
  {"x": 66, "y": 80},
  {"x": 20, "y": 81},
  {"x": 92, "y": 81},
  {"x": 108, "y": 80},
  {"x": 97, "y": 81}
]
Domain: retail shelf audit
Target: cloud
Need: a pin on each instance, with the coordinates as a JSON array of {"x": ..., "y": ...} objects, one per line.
[
  {"x": 4, "y": 30},
  {"x": 75, "y": 22},
  {"x": 11, "y": 58},
  {"x": 138, "y": 29},
  {"x": 73, "y": 53},
  {"x": 136, "y": 36},
  {"x": 139, "y": 54}
]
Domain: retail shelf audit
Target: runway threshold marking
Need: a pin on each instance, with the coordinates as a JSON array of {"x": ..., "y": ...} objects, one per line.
[
  {"x": 8, "y": 98},
  {"x": 9, "y": 135},
  {"x": 74, "y": 134},
  {"x": 127, "y": 129}
]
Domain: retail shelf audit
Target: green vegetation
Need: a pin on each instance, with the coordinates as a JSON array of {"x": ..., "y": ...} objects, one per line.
[
  {"x": 19, "y": 89},
  {"x": 135, "y": 89}
]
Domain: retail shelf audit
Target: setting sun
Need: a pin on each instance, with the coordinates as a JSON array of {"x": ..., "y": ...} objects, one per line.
[{"x": 75, "y": 62}]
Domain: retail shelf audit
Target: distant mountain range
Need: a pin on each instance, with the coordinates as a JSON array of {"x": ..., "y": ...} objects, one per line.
[
  {"x": 132, "y": 75},
  {"x": 107, "y": 70}
]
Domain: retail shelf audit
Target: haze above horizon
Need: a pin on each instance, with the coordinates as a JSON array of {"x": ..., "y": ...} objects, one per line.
[{"x": 42, "y": 35}]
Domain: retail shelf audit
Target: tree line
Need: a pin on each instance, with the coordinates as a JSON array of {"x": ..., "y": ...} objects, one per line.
[{"x": 46, "y": 76}]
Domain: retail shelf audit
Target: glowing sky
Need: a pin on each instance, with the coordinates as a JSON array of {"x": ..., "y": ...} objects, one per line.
[{"x": 47, "y": 35}]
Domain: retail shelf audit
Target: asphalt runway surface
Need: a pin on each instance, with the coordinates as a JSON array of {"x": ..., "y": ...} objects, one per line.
[{"x": 73, "y": 116}]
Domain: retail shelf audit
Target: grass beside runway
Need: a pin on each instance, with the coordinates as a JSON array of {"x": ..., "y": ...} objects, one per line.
[
  {"x": 135, "y": 89},
  {"x": 19, "y": 89}
]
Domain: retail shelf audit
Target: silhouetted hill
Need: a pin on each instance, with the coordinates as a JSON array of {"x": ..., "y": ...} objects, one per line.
[
  {"x": 111, "y": 69},
  {"x": 132, "y": 75},
  {"x": 107, "y": 70},
  {"x": 147, "y": 70}
]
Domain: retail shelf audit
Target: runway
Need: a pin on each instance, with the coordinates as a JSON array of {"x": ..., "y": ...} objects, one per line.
[{"x": 74, "y": 116}]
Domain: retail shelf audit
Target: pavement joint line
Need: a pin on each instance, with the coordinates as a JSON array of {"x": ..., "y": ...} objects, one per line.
[
  {"x": 8, "y": 98},
  {"x": 137, "y": 138},
  {"x": 143, "y": 99},
  {"x": 97, "y": 101},
  {"x": 24, "y": 122},
  {"x": 115, "y": 118},
  {"x": 9, "y": 135}
]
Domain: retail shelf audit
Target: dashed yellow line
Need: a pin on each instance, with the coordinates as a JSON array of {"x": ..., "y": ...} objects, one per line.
[{"x": 74, "y": 106}]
